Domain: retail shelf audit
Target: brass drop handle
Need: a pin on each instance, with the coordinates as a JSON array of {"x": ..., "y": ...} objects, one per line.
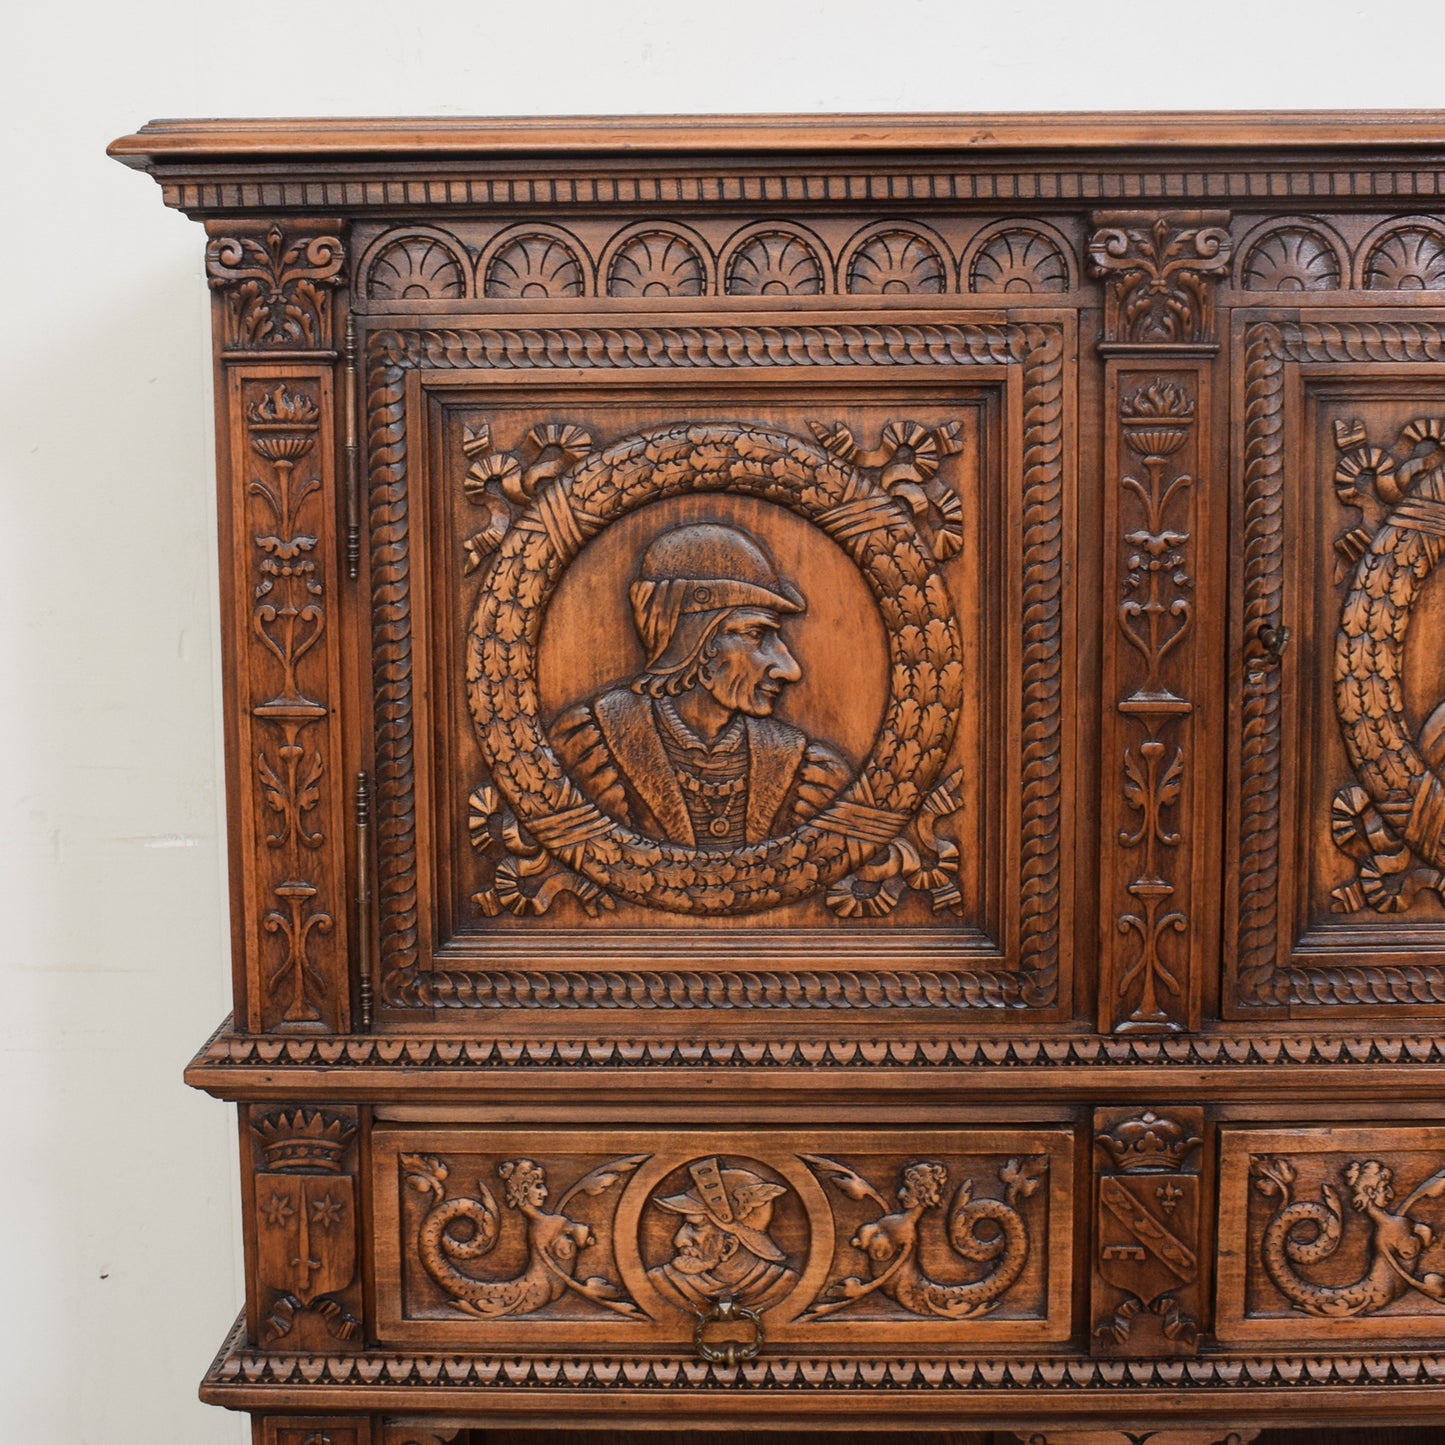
[
  {"x": 730, "y": 1352},
  {"x": 1273, "y": 640}
]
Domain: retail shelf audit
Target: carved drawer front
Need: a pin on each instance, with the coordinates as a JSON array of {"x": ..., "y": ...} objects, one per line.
[
  {"x": 681, "y": 673},
  {"x": 1339, "y": 732},
  {"x": 544, "y": 1240},
  {"x": 1331, "y": 1235}
]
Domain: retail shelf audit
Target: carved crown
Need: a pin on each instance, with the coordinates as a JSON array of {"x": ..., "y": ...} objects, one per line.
[
  {"x": 309, "y": 1139},
  {"x": 1148, "y": 1142}
]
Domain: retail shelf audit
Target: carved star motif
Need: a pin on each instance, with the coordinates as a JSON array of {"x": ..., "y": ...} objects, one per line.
[
  {"x": 277, "y": 1210},
  {"x": 326, "y": 1211}
]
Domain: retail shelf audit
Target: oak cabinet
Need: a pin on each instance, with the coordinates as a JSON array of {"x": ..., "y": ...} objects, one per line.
[{"x": 834, "y": 767}]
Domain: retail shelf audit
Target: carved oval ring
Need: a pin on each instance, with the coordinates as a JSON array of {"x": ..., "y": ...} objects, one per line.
[
  {"x": 1370, "y": 655},
  {"x": 926, "y": 677}
]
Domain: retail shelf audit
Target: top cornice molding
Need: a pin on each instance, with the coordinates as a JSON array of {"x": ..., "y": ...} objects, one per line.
[
  {"x": 171, "y": 142},
  {"x": 391, "y": 168}
]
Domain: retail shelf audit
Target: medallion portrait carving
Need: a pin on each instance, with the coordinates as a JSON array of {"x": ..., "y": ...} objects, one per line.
[
  {"x": 688, "y": 750},
  {"x": 723, "y": 1246},
  {"x": 592, "y": 751},
  {"x": 677, "y": 788}
]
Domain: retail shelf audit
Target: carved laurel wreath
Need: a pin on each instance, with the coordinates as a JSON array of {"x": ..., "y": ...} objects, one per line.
[
  {"x": 877, "y": 531},
  {"x": 1393, "y": 820}
]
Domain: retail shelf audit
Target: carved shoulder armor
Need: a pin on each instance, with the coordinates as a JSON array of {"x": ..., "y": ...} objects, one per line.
[{"x": 583, "y": 752}]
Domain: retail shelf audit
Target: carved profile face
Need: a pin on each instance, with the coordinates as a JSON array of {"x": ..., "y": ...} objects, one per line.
[
  {"x": 747, "y": 664},
  {"x": 701, "y": 1245},
  {"x": 688, "y": 748}
]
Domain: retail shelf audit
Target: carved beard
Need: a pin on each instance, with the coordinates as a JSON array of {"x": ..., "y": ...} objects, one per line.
[
  {"x": 686, "y": 1262},
  {"x": 689, "y": 1260}
]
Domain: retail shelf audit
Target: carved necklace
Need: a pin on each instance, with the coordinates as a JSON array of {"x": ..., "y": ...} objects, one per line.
[{"x": 713, "y": 779}]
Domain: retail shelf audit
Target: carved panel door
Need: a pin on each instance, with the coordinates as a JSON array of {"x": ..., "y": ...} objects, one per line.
[
  {"x": 1338, "y": 734},
  {"x": 752, "y": 641}
]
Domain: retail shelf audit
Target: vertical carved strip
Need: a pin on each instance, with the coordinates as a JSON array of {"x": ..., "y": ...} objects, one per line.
[
  {"x": 272, "y": 296},
  {"x": 1160, "y": 271},
  {"x": 1043, "y": 527},
  {"x": 307, "y": 1287},
  {"x": 392, "y": 669},
  {"x": 1147, "y": 1294},
  {"x": 1263, "y": 592}
]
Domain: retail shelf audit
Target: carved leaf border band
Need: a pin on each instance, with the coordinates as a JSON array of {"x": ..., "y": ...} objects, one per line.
[{"x": 1036, "y": 348}]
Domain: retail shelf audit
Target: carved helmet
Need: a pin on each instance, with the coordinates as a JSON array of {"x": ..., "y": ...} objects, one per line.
[
  {"x": 737, "y": 1201},
  {"x": 690, "y": 578}
]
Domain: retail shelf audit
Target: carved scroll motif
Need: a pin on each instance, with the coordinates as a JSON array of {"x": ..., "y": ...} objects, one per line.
[
  {"x": 1160, "y": 271},
  {"x": 306, "y": 1220},
  {"x": 985, "y": 1231},
  {"x": 277, "y": 288},
  {"x": 1148, "y": 1216},
  {"x": 805, "y": 1242},
  {"x": 864, "y": 840},
  {"x": 1391, "y": 820}
]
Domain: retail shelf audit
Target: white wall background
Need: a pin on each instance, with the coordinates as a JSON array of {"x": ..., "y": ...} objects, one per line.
[{"x": 119, "y": 1262}]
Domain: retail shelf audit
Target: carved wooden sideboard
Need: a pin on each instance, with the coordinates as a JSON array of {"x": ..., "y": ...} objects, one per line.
[{"x": 836, "y": 770}]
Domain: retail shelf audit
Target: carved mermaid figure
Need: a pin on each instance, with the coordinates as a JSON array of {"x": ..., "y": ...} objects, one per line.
[
  {"x": 981, "y": 1230},
  {"x": 457, "y": 1231},
  {"x": 1304, "y": 1233}
]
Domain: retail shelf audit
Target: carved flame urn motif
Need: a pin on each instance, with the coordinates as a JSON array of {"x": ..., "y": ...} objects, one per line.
[{"x": 835, "y": 770}]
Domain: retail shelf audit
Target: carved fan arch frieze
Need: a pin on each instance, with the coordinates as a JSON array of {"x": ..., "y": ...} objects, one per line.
[
  {"x": 1404, "y": 255},
  {"x": 775, "y": 260},
  {"x": 895, "y": 260},
  {"x": 533, "y": 264},
  {"x": 654, "y": 260},
  {"x": 1293, "y": 255},
  {"x": 1018, "y": 259},
  {"x": 422, "y": 264}
]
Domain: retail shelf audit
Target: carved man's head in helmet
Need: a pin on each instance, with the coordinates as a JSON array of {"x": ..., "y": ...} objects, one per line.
[{"x": 709, "y": 604}]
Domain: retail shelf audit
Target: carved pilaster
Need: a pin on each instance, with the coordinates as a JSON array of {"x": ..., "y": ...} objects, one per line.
[
  {"x": 1159, "y": 272},
  {"x": 279, "y": 505},
  {"x": 1147, "y": 1294},
  {"x": 305, "y": 1288}
]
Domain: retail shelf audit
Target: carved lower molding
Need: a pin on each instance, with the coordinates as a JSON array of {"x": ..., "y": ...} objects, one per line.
[
  {"x": 229, "y": 1051},
  {"x": 241, "y": 1375}
]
